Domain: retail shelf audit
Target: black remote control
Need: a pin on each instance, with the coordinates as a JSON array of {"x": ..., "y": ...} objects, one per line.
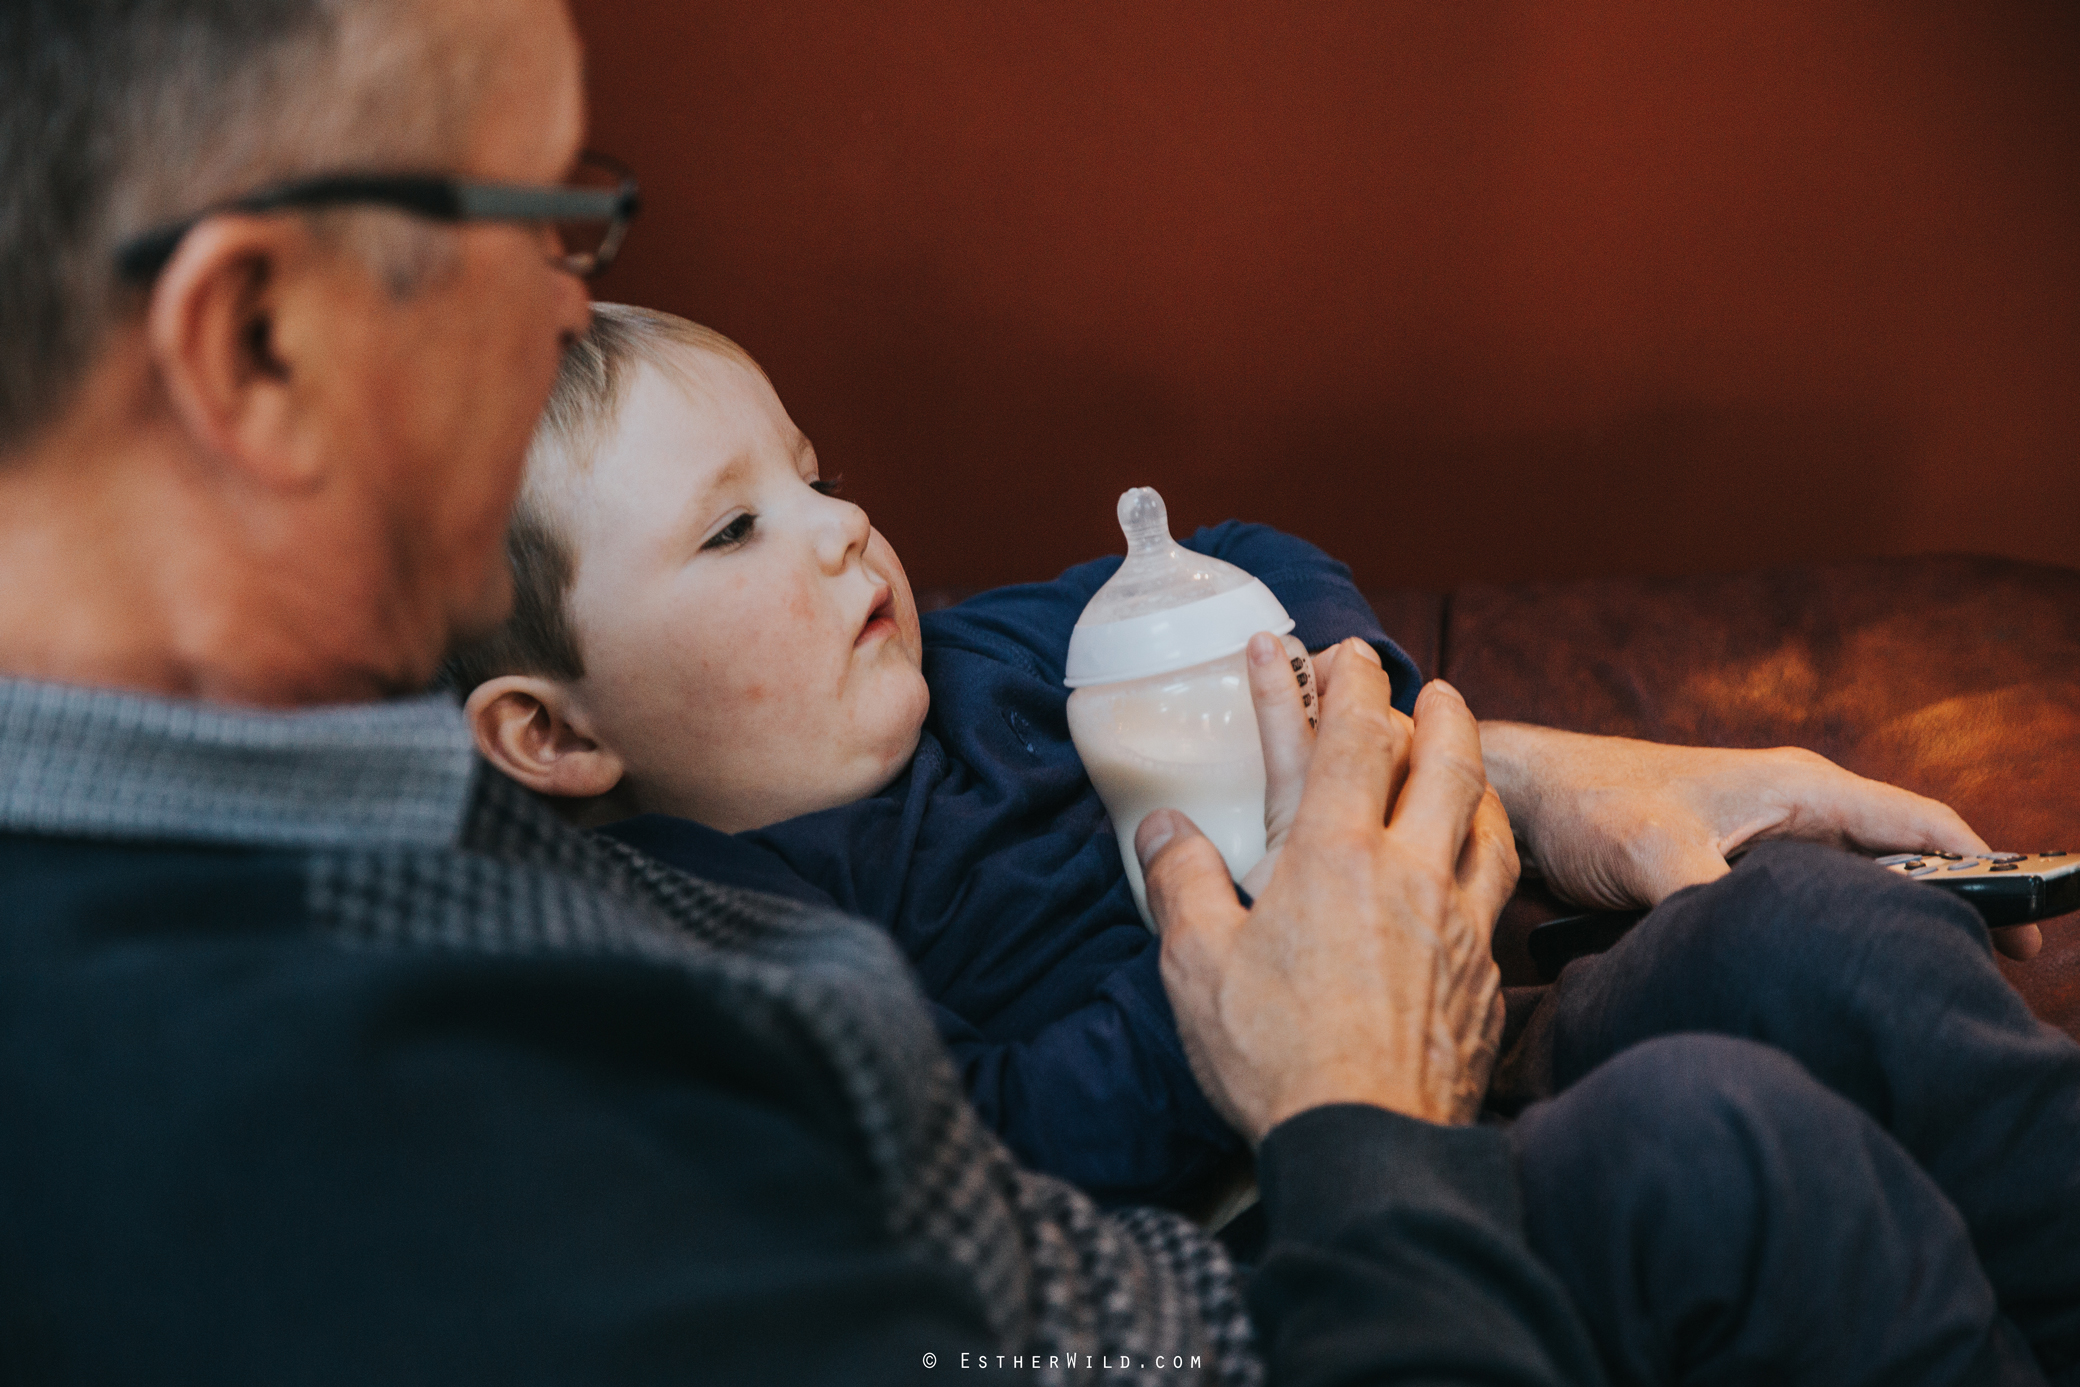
[
  {"x": 1560, "y": 941},
  {"x": 2006, "y": 888}
]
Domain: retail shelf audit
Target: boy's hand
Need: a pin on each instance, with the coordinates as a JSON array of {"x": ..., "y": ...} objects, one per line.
[{"x": 1362, "y": 974}]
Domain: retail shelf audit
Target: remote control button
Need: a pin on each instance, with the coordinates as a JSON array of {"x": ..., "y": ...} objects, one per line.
[
  {"x": 2004, "y": 867},
  {"x": 1969, "y": 862},
  {"x": 2053, "y": 854},
  {"x": 1897, "y": 858},
  {"x": 2004, "y": 857},
  {"x": 1923, "y": 871},
  {"x": 1946, "y": 856}
]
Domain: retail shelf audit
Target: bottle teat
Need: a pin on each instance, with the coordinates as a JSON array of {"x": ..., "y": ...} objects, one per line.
[
  {"x": 1145, "y": 520},
  {"x": 1167, "y": 607}
]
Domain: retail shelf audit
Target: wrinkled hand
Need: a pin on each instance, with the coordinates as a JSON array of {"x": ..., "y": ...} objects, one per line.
[
  {"x": 1618, "y": 823},
  {"x": 1362, "y": 974}
]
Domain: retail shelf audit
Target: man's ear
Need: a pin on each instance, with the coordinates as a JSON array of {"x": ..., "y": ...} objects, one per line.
[
  {"x": 524, "y": 726},
  {"x": 214, "y": 329}
]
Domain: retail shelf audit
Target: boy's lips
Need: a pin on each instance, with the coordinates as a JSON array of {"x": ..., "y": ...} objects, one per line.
[{"x": 881, "y": 617}]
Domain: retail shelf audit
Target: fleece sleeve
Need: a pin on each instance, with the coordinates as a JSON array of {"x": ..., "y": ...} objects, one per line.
[{"x": 1317, "y": 591}]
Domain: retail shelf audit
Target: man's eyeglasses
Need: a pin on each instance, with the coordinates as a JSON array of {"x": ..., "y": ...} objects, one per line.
[{"x": 589, "y": 217}]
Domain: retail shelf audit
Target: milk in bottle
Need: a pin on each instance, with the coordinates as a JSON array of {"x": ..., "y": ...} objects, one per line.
[{"x": 1161, "y": 712}]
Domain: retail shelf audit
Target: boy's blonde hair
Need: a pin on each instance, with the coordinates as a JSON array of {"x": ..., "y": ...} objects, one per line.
[{"x": 578, "y": 418}]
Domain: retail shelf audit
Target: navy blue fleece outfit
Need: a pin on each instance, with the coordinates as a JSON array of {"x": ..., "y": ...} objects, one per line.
[
  {"x": 1807, "y": 1132},
  {"x": 992, "y": 862}
]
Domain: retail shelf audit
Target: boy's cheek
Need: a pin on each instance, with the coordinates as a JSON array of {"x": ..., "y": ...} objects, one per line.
[
  {"x": 891, "y": 568},
  {"x": 909, "y": 628}
]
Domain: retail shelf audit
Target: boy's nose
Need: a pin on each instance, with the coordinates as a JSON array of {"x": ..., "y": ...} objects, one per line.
[{"x": 842, "y": 535}]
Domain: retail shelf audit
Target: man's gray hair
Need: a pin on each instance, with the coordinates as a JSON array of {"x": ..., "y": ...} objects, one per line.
[{"x": 119, "y": 116}]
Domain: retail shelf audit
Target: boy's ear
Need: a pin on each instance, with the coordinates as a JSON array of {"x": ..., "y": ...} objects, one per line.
[{"x": 524, "y": 726}]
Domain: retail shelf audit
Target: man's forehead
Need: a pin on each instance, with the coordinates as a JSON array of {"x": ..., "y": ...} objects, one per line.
[{"x": 524, "y": 59}]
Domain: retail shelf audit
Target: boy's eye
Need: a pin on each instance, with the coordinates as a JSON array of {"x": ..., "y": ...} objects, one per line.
[
  {"x": 829, "y": 486},
  {"x": 732, "y": 534}
]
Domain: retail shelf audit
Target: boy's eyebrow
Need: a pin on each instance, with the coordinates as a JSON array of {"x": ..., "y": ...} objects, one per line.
[
  {"x": 735, "y": 468},
  {"x": 697, "y": 504}
]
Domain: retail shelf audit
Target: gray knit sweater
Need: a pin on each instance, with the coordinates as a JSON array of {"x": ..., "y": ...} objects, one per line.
[{"x": 407, "y": 843}]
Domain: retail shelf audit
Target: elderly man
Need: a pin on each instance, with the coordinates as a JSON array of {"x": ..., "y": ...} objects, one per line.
[{"x": 327, "y": 1054}]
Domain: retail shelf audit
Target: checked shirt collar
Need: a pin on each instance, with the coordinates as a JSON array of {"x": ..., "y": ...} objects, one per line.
[{"x": 93, "y": 763}]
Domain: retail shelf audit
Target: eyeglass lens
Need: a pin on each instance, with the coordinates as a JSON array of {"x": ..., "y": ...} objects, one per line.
[{"x": 587, "y": 243}]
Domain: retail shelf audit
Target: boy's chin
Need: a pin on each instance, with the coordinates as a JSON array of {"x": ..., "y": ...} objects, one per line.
[
  {"x": 908, "y": 699},
  {"x": 901, "y": 752},
  {"x": 862, "y": 776},
  {"x": 900, "y": 747}
]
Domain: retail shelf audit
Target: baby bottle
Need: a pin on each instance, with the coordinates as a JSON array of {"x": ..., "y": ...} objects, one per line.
[{"x": 1161, "y": 712}]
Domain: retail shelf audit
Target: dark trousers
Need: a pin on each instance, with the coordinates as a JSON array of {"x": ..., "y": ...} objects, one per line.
[{"x": 1805, "y": 1132}]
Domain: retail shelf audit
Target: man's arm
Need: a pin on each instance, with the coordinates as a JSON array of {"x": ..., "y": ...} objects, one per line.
[
  {"x": 1398, "y": 1255},
  {"x": 1616, "y": 823}
]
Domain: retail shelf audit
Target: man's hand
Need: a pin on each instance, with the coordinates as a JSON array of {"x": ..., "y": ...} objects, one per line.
[
  {"x": 1285, "y": 702},
  {"x": 1617, "y": 823},
  {"x": 1363, "y": 973}
]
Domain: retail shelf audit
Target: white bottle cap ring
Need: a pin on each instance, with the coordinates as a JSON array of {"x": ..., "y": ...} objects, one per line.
[
  {"x": 1176, "y": 638},
  {"x": 1166, "y": 607}
]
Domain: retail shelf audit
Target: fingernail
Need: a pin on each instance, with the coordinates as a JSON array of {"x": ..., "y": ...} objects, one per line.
[
  {"x": 1263, "y": 648},
  {"x": 1154, "y": 835}
]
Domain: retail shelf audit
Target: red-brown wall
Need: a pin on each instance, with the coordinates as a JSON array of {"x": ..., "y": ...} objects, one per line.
[{"x": 1499, "y": 290}]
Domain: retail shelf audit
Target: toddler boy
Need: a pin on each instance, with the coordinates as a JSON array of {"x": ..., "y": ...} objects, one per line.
[{"x": 718, "y": 661}]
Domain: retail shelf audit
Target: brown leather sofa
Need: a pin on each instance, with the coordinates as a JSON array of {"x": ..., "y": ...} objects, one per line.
[{"x": 1956, "y": 677}]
